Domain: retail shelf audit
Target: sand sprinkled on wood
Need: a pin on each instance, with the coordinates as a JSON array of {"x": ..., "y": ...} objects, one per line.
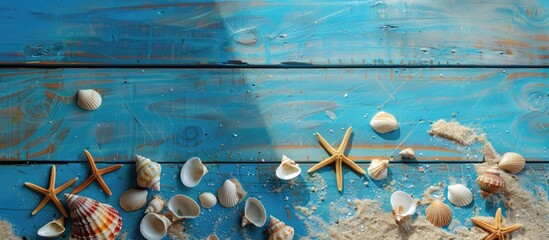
[
  {"x": 454, "y": 132},
  {"x": 177, "y": 231},
  {"x": 6, "y": 231}
]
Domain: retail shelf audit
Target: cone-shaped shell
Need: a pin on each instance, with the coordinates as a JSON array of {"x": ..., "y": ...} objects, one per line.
[
  {"x": 490, "y": 182},
  {"x": 384, "y": 122},
  {"x": 438, "y": 213},
  {"x": 512, "y": 162},
  {"x": 460, "y": 195},
  {"x": 254, "y": 213},
  {"x": 183, "y": 207},
  {"x": 53, "y": 229},
  {"x": 154, "y": 226},
  {"x": 229, "y": 194},
  {"x": 378, "y": 169},
  {"x": 192, "y": 172},
  {"x": 407, "y": 153},
  {"x": 155, "y": 205},
  {"x": 91, "y": 219},
  {"x": 89, "y": 99},
  {"x": 207, "y": 200},
  {"x": 133, "y": 199},
  {"x": 403, "y": 205},
  {"x": 148, "y": 173},
  {"x": 279, "y": 231},
  {"x": 287, "y": 169}
]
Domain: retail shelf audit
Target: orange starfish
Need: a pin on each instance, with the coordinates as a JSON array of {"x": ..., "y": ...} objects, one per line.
[
  {"x": 51, "y": 192},
  {"x": 97, "y": 175},
  {"x": 337, "y": 156},
  {"x": 496, "y": 230}
]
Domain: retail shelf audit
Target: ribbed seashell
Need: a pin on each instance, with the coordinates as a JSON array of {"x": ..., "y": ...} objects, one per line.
[
  {"x": 287, "y": 169},
  {"x": 378, "y": 169},
  {"x": 53, "y": 229},
  {"x": 183, "y": 207},
  {"x": 254, "y": 213},
  {"x": 154, "y": 226},
  {"x": 438, "y": 213},
  {"x": 212, "y": 237},
  {"x": 490, "y": 182},
  {"x": 460, "y": 195},
  {"x": 133, "y": 199},
  {"x": 384, "y": 122},
  {"x": 279, "y": 231},
  {"x": 207, "y": 200},
  {"x": 512, "y": 162},
  {"x": 229, "y": 194},
  {"x": 192, "y": 172},
  {"x": 89, "y": 99},
  {"x": 91, "y": 219},
  {"x": 403, "y": 205},
  {"x": 155, "y": 205},
  {"x": 148, "y": 173},
  {"x": 408, "y": 153}
]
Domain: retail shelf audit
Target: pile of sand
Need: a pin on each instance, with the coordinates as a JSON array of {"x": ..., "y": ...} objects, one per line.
[{"x": 6, "y": 231}]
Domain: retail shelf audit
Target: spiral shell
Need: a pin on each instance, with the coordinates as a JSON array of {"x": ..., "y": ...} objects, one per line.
[
  {"x": 230, "y": 193},
  {"x": 459, "y": 195},
  {"x": 89, "y": 99},
  {"x": 155, "y": 205},
  {"x": 148, "y": 173},
  {"x": 438, "y": 213},
  {"x": 133, "y": 199},
  {"x": 91, "y": 219},
  {"x": 407, "y": 153},
  {"x": 378, "y": 169},
  {"x": 207, "y": 200},
  {"x": 512, "y": 162},
  {"x": 279, "y": 231},
  {"x": 490, "y": 182},
  {"x": 384, "y": 122}
]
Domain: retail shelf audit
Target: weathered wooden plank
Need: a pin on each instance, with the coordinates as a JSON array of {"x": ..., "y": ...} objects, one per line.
[
  {"x": 256, "y": 115},
  {"x": 409, "y": 32}
]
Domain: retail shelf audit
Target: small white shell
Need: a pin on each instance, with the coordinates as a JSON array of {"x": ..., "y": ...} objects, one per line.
[
  {"x": 192, "y": 172},
  {"x": 378, "y": 169},
  {"x": 254, "y": 213},
  {"x": 459, "y": 195},
  {"x": 53, "y": 229},
  {"x": 408, "y": 153},
  {"x": 155, "y": 205},
  {"x": 154, "y": 226},
  {"x": 403, "y": 205},
  {"x": 89, "y": 99},
  {"x": 212, "y": 237},
  {"x": 207, "y": 200},
  {"x": 183, "y": 207},
  {"x": 512, "y": 162},
  {"x": 133, "y": 199},
  {"x": 229, "y": 194},
  {"x": 384, "y": 122},
  {"x": 287, "y": 169}
]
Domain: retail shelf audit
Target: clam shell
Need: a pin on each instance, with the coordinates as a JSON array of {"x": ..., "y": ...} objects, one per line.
[
  {"x": 53, "y": 229},
  {"x": 279, "y": 231},
  {"x": 229, "y": 194},
  {"x": 384, "y": 122},
  {"x": 89, "y": 99},
  {"x": 212, "y": 237},
  {"x": 183, "y": 207},
  {"x": 207, "y": 200},
  {"x": 287, "y": 169},
  {"x": 490, "y": 182},
  {"x": 378, "y": 169},
  {"x": 192, "y": 172},
  {"x": 438, "y": 213},
  {"x": 148, "y": 173},
  {"x": 512, "y": 162},
  {"x": 254, "y": 213},
  {"x": 403, "y": 205},
  {"x": 407, "y": 153},
  {"x": 91, "y": 219},
  {"x": 133, "y": 199},
  {"x": 154, "y": 226},
  {"x": 155, "y": 205},
  {"x": 460, "y": 195}
]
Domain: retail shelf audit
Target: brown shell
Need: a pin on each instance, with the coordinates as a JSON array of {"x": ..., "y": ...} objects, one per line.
[
  {"x": 438, "y": 213},
  {"x": 490, "y": 182}
]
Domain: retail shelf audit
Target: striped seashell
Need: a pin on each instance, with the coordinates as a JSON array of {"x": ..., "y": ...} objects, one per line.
[
  {"x": 407, "y": 153},
  {"x": 89, "y": 99},
  {"x": 438, "y": 213},
  {"x": 230, "y": 193},
  {"x": 91, "y": 219},
  {"x": 148, "y": 173},
  {"x": 490, "y": 182},
  {"x": 459, "y": 195},
  {"x": 155, "y": 205},
  {"x": 378, "y": 169},
  {"x": 207, "y": 200},
  {"x": 512, "y": 162},
  {"x": 133, "y": 199},
  {"x": 279, "y": 231},
  {"x": 384, "y": 122}
]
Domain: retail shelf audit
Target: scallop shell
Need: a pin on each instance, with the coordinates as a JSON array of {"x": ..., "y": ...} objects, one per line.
[
  {"x": 279, "y": 231},
  {"x": 192, "y": 172},
  {"x": 183, "y": 207},
  {"x": 512, "y": 162},
  {"x": 287, "y": 169},
  {"x": 207, "y": 200},
  {"x": 212, "y": 237},
  {"x": 459, "y": 195},
  {"x": 403, "y": 205},
  {"x": 229, "y": 194},
  {"x": 407, "y": 153},
  {"x": 155, "y": 205},
  {"x": 53, "y": 229},
  {"x": 384, "y": 122},
  {"x": 154, "y": 226},
  {"x": 89, "y": 99},
  {"x": 490, "y": 182},
  {"x": 148, "y": 173},
  {"x": 133, "y": 199},
  {"x": 378, "y": 169},
  {"x": 438, "y": 213},
  {"x": 254, "y": 213},
  {"x": 91, "y": 219}
]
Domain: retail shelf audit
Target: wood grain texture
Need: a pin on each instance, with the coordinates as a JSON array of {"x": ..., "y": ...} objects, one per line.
[{"x": 409, "y": 32}]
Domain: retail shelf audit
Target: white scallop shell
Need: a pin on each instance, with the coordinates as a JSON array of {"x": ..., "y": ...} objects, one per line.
[
  {"x": 407, "y": 153},
  {"x": 154, "y": 226},
  {"x": 512, "y": 162},
  {"x": 254, "y": 213},
  {"x": 183, "y": 207},
  {"x": 378, "y": 169},
  {"x": 155, "y": 205},
  {"x": 403, "y": 205},
  {"x": 384, "y": 122},
  {"x": 89, "y": 99},
  {"x": 212, "y": 237},
  {"x": 148, "y": 173},
  {"x": 192, "y": 172},
  {"x": 133, "y": 199},
  {"x": 207, "y": 200},
  {"x": 287, "y": 169},
  {"x": 459, "y": 195},
  {"x": 228, "y": 194},
  {"x": 53, "y": 229}
]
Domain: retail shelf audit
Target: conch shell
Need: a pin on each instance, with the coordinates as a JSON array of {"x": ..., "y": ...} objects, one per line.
[
  {"x": 279, "y": 231},
  {"x": 490, "y": 182},
  {"x": 148, "y": 173},
  {"x": 254, "y": 213},
  {"x": 512, "y": 162},
  {"x": 230, "y": 193},
  {"x": 459, "y": 195},
  {"x": 384, "y": 122},
  {"x": 192, "y": 172},
  {"x": 287, "y": 169},
  {"x": 91, "y": 219},
  {"x": 407, "y": 153},
  {"x": 403, "y": 205},
  {"x": 53, "y": 229},
  {"x": 155, "y": 205},
  {"x": 133, "y": 199},
  {"x": 378, "y": 169},
  {"x": 438, "y": 213},
  {"x": 89, "y": 99}
]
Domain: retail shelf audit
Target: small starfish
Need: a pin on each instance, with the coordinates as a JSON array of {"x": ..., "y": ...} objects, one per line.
[
  {"x": 496, "y": 231},
  {"x": 337, "y": 156},
  {"x": 96, "y": 175},
  {"x": 51, "y": 192}
]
